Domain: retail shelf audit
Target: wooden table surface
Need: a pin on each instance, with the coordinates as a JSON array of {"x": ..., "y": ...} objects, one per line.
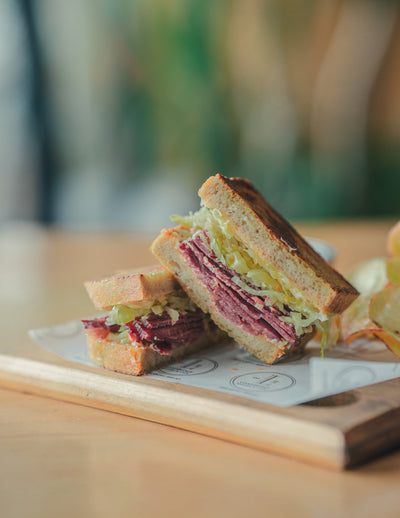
[{"x": 60, "y": 459}]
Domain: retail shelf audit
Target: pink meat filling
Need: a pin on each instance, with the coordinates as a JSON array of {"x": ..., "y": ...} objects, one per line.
[
  {"x": 252, "y": 313},
  {"x": 155, "y": 331}
]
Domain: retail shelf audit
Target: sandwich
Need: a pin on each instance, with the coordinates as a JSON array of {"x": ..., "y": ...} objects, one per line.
[
  {"x": 245, "y": 265},
  {"x": 147, "y": 322}
]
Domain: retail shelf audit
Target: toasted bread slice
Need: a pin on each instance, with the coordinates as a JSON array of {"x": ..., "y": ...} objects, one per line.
[
  {"x": 129, "y": 287},
  {"x": 166, "y": 249},
  {"x": 274, "y": 241},
  {"x": 134, "y": 360}
]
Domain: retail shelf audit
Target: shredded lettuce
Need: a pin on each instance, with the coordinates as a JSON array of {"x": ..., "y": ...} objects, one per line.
[
  {"x": 173, "y": 304},
  {"x": 173, "y": 313},
  {"x": 324, "y": 337},
  {"x": 268, "y": 281}
]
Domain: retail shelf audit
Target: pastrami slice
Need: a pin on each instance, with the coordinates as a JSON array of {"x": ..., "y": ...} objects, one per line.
[
  {"x": 99, "y": 328},
  {"x": 254, "y": 314},
  {"x": 160, "y": 328},
  {"x": 158, "y": 332}
]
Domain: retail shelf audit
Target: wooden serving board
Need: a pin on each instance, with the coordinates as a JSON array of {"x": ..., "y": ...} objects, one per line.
[{"x": 338, "y": 432}]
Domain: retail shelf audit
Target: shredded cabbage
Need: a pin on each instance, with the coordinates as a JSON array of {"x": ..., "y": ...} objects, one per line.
[
  {"x": 324, "y": 338},
  {"x": 173, "y": 313},
  {"x": 268, "y": 280},
  {"x": 173, "y": 304}
]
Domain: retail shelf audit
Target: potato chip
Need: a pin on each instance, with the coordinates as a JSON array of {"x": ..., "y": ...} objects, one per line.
[
  {"x": 369, "y": 276},
  {"x": 393, "y": 270},
  {"x": 390, "y": 341},
  {"x": 384, "y": 310},
  {"x": 393, "y": 241},
  {"x": 362, "y": 333},
  {"x": 376, "y": 312},
  {"x": 355, "y": 320}
]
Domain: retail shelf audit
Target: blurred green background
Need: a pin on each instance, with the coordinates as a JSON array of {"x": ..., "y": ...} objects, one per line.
[{"x": 113, "y": 112}]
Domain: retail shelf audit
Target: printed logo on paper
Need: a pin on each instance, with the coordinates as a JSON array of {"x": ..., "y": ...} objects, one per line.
[
  {"x": 189, "y": 367},
  {"x": 263, "y": 382}
]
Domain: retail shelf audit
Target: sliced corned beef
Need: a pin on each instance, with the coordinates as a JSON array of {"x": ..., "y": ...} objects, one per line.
[
  {"x": 162, "y": 334},
  {"x": 156, "y": 331},
  {"x": 99, "y": 328},
  {"x": 253, "y": 313}
]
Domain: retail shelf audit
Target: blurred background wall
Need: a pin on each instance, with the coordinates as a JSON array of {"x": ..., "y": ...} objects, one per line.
[{"x": 113, "y": 112}]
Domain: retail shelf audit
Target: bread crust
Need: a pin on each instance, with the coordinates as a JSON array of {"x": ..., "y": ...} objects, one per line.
[
  {"x": 166, "y": 249},
  {"x": 274, "y": 241},
  {"x": 129, "y": 287},
  {"x": 134, "y": 360}
]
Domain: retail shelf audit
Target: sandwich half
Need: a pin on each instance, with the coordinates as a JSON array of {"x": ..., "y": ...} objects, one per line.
[
  {"x": 149, "y": 322},
  {"x": 259, "y": 280}
]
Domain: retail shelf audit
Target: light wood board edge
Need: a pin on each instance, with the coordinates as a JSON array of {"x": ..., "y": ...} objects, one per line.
[
  {"x": 377, "y": 436},
  {"x": 304, "y": 440}
]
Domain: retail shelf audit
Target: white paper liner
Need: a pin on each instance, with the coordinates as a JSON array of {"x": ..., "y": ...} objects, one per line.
[{"x": 232, "y": 370}]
